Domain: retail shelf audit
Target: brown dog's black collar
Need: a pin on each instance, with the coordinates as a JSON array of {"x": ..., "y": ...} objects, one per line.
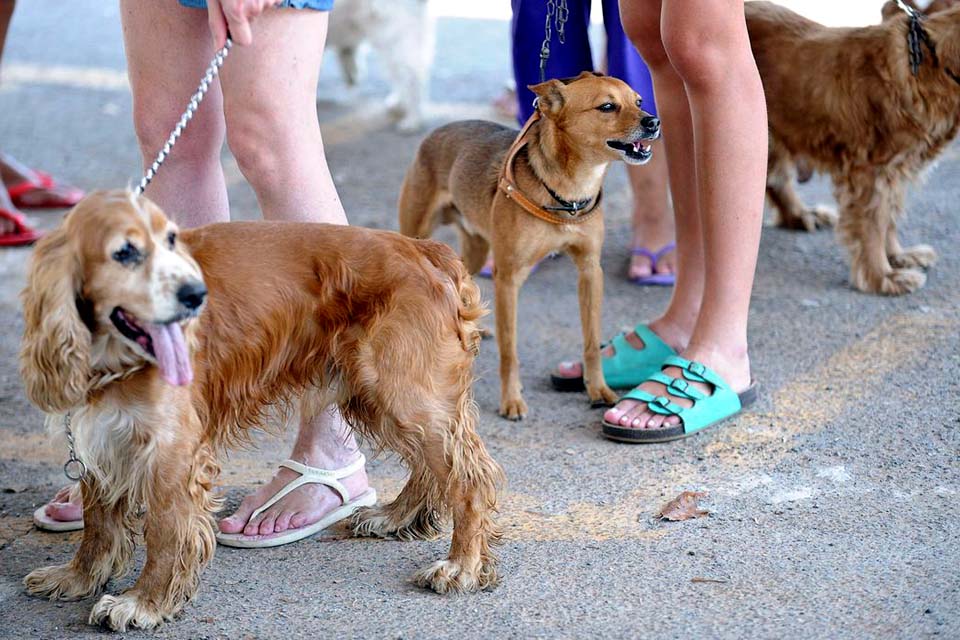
[{"x": 570, "y": 213}]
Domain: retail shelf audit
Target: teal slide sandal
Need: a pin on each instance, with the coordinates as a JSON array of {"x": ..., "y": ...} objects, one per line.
[
  {"x": 628, "y": 366},
  {"x": 707, "y": 410}
]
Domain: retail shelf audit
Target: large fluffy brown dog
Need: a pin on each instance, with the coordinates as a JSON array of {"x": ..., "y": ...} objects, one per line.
[
  {"x": 382, "y": 325},
  {"x": 459, "y": 177},
  {"x": 844, "y": 101}
]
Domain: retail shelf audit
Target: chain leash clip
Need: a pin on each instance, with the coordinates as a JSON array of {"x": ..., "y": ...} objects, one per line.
[{"x": 74, "y": 469}]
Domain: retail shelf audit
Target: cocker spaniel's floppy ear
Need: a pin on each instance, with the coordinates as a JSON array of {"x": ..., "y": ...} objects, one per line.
[{"x": 55, "y": 351}]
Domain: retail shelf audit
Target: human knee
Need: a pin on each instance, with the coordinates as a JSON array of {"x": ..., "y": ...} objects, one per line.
[
  {"x": 701, "y": 57},
  {"x": 256, "y": 140},
  {"x": 153, "y": 123},
  {"x": 642, "y": 26}
]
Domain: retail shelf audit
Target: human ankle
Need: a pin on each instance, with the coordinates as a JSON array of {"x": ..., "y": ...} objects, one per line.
[
  {"x": 672, "y": 331},
  {"x": 730, "y": 360}
]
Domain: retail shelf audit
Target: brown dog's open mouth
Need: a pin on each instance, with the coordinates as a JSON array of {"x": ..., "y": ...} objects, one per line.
[
  {"x": 130, "y": 329},
  {"x": 164, "y": 342},
  {"x": 635, "y": 152}
]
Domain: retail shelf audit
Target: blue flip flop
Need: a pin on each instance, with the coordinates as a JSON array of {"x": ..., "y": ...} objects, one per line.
[
  {"x": 628, "y": 366},
  {"x": 655, "y": 279},
  {"x": 707, "y": 410}
]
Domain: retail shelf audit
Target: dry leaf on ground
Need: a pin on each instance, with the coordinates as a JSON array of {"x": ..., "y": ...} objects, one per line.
[{"x": 683, "y": 507}]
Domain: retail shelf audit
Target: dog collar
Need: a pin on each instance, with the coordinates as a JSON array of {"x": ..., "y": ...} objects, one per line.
[
  {"x": 565, "y": 205},
  {"x": 568, "y": 213}
]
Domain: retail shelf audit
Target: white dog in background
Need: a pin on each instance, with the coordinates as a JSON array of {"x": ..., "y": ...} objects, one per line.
[{"x": 402, "y": 34}]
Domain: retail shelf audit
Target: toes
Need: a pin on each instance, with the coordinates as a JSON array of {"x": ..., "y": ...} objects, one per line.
[
  {"x": 655, "y": 421},
  {"x": 643, "y": 420},
  {"x": 298, "y": 520},
  {"x": 640, "y": 267},
  {"x": 252, "y": 528},
  {"x": 63, "y": 495},
  {"x": 64, "y": 511},
  {"x": 570, "y": 369},
  {"x": 632, "y": 414},
  {"x": 282, "y": 523},
  {"x": 267, "y": 524},
  {"x": 240, "y": 519},
  {"x": 615, "y": 414}
]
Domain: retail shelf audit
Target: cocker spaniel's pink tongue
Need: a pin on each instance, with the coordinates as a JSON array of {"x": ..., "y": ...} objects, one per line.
[{"x": 171, "y": 351}]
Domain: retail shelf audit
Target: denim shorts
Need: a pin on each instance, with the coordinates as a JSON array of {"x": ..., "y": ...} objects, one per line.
[{"x": 316, "y": 5}]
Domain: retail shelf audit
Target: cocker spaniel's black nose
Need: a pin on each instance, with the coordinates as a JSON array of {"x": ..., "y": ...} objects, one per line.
[
  {"x": 192, "y": 294},
  {"x": 650, "y": 123}
]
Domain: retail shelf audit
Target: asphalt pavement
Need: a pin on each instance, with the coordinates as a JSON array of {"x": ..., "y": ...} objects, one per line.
[{"x": 832, "y": 503}]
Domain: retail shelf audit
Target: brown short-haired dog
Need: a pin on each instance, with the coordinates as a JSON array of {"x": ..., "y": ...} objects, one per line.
[
  {"x": 381, "y": 325},
  {"x": 845, "y": 102},
  {"x": 529, "y": 195}
]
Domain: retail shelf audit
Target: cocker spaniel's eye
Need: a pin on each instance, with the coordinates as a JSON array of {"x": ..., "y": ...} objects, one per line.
[
  {"x": 172, "y": 239},
  {"x": 639, "y": 103},
  {"x": 128, "y": 255},
  {"x": 607, "y": 107}
]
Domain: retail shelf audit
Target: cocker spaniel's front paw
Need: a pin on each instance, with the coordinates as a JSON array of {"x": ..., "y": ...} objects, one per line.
[
  {"x": 126, "y": 610},
  {"x": 61, "y": 582}
]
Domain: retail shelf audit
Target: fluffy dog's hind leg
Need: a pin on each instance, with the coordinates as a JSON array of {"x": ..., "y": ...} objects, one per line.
[
  {"x": 790, "y": 211},
  {"x": 415, "y": 514},
  {"x": 920, "y": 256},
  {"x": 869, "y": 206},
  {"x": 471, "y": 478}
]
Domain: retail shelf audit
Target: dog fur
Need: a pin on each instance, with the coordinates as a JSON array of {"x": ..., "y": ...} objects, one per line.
[
  {"x": 453, "y": 180},
  {"x": 402, "y": 33},
  {"x": 296, "y": 314},
  {"x": 844, "y": 102}
]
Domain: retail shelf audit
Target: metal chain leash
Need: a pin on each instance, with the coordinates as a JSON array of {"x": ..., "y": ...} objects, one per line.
[
  {"x": 74, "y": 469},
  {"x": 557, "y": 13},
  {"x": 212, "y": 71},
  {"x": 917, "y": 36}
]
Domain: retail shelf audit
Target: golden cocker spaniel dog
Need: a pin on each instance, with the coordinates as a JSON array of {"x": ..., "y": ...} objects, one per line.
[
  {"x": 844, "y": 101},
  {"x": 166, "y": 346}
]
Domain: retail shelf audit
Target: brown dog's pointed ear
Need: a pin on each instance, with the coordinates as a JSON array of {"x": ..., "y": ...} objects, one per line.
[
  {"x": 55, "y": 351},
  {"x": 549, "y": 96}
]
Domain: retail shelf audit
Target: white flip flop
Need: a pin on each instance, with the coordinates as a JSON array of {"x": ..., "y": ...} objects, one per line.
[
  {"x": 45, "y": 523},
  {"x": 308, "y": 475}
]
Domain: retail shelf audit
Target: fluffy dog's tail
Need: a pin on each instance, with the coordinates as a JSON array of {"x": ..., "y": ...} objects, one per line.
[{"x": 469, "y": 306}]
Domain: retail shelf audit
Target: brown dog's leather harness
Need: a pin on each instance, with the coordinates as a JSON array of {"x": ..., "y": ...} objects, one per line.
[{"x": 570, "y": 213}]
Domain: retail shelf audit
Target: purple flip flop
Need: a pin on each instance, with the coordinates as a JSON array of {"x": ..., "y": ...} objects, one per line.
[{"x": 655, "y": 279}]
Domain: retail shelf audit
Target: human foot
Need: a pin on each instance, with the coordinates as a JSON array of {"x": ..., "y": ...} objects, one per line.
[
  {"x": 32, "y": 189},
  {"x": 653, "y": 249},
  {"x": 64, "y": 512},
  {"x": 14, "y": 230},
  {"x": 628, "y": 358},
  {"x": 701, "y": 386},
  {"x": 651, "y": 267},
  {"x": 300, "y": 508}
]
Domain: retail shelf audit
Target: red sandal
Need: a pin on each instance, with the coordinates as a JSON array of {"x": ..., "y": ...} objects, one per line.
[
  {"x": 21, "y": 235},
  {"x": 44, "y": 181}
]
